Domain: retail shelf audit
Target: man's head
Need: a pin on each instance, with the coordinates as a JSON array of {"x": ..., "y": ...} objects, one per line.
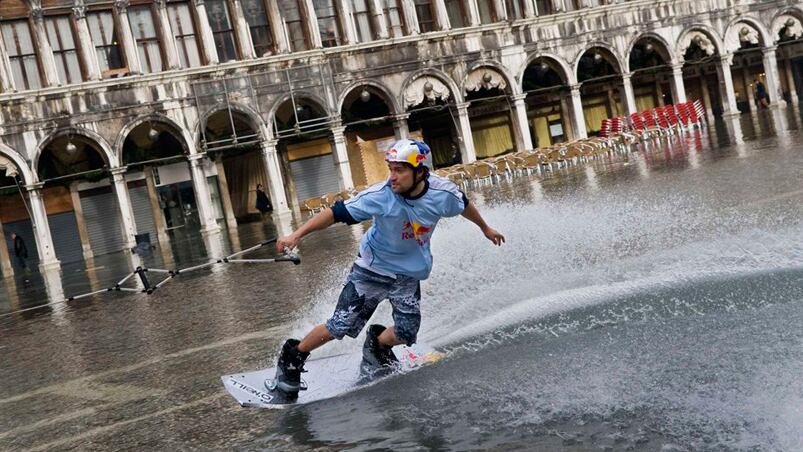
[
  {"x": 407, "y": 164},
  {"x": 13, "y": 235},
  {"x": 259, "y": 186}
]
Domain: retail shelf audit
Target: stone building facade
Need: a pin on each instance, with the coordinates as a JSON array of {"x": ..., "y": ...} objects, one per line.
[{"x": 130, "y": 116}]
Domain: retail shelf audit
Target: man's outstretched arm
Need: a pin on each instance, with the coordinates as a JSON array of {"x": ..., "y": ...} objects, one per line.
[
  {"x": 472, "y": 214},
  {"x": 321, "y": 220}
]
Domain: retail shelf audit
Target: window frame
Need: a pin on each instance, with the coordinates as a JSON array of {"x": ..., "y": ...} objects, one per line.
[
  {"x": 193, "y": 13},
  {"x": 271, "y": 49},
  {"x": 232, "y": 30},
  {"x": 59, "y": 54},
  {"x": 303, "y": 19},
  {"x": 109, "y": 72},
  {"x": 340, "y": 36},
  {"x": 21, "y": 56},
  {"x": 368, "y": 13},
  {"x": 462, "y": 6},
  {"x": 433, "y": 24},
  {"x": 494, "y": 13},
  {"x": 399, "y": 13},
  {"x": 156, "y": 21}
]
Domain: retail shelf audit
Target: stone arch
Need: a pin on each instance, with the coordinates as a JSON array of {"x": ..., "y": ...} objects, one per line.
[
  {"x": 28, "y": 176},
  {"x": 506, "y": 76},
  {"x": 559, "y": 64},
  {"x": 298, "y": 95},
  {"x": 100, "y": 143},
  {"x": 405, "y": 101},
  {"x": 689, "y": 33},
  {"x": 779, "y": 21},
  {"x": 247, "y": 110},
  {"x": 615, "y": 59},
  {"x": 734, "y": 33},
  {"x": 667, "y": 47},
  {"x": 178, "y": 132},
  {"x": 386, "y": 94}
]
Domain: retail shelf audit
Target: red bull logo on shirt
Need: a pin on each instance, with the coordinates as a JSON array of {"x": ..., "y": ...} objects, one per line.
[{"x": 416, "y": 232}]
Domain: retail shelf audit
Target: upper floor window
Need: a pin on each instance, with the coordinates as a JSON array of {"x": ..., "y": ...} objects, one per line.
[
  {"x": 103, "y": 29},
  {"x": 326, "y": 12},
  {"x": 424, "y": 11},
  {"x": 257, "y": 17},
  {"x": 544, "y": 7},
  {"x": 148, "y": 48},
  {"x": 183, "y": 28},
  {"x": 393, "y": 14},
  {"x": 487, "y": 11},
  {"x": 21, "y": 54},
  {"x": 294, "y": 25},
  {"x": 515, "y": 9},
  {"x": 61, "y": 39},
  {"x": 219, "y": 20},
  {"x": 458, "y": 17},
  {"x": 362, "y": 20}
]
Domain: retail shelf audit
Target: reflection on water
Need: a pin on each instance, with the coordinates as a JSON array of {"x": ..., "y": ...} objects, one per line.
[{"x": 647, "y": 301}]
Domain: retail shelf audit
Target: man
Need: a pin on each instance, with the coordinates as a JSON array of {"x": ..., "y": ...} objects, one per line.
[
  {"x": 761, "y": 94},
  {"x": 20, "y": 251},
  {"x": 394, "y": 257},
  {"x": 263, "y": 203}
]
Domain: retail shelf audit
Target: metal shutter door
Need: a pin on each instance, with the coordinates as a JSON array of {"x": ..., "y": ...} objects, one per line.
[
  {"x": 141, "y": 205},
  {"x": 66, "y": 240},
  {"x": 314, "y": 176},
  {"x": 102, "y": 216}
]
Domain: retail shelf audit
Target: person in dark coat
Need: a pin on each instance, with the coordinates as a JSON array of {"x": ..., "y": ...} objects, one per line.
[
  {"x": 20, "y": 251},
  {"x": 263, "y": 202}
]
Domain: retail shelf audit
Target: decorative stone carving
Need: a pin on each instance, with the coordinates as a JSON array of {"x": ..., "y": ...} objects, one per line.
[
  {"x": 787, "y": 24},
  {"x": 37, "y": 14},
  {"x": 425, "y": 88},
  {"x": 79, "y": 11},
  {"x": 700, "y": 39},
  {"x": 485, "y": 78},
  {"x": 121, "y": 5},
  {"x": 7, "y": 167},
  {"x": 739, "y": 35}
]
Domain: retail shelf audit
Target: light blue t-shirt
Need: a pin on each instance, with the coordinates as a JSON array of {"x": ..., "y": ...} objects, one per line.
[{"x": 398, "y": 241}]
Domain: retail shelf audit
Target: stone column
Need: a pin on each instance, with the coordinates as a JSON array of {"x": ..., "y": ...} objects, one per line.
[
  {"x": 206, "y": 213},
  {"x": 441, "y": 15},
  {"x": 5, "y": 258},
  {"x": 156, "y": 210},
  {"x": 726, "y": 79},
  {"x": 41, "y": 228},
  {"x": 466, "y": 137},
  {"x": 566, "y": 118},
  {"x": 166, "y": 35},
  {"x": 748, "y": 90},
  {"x": 578, "y": 117},
  {"x": 628, "y": 94},
  {"x": 83, "y": 233},
  {"x": 773, "y": 79},
  {"x": 378, "y": 18},
  {"x": 86, "y": 47},
  {"x": 126, "y": 211},
  {"x": 245, "y": 44},
  {"x": 312, "y": 25},
  {"x": 225, "y": 197},
  {"x": 346, "y": 19},
  {"x": 501, "y": 10},
  {"x": 270, "y": 157},
  {"x": 400, "y": 128},
  {"x": 6, "y": 79},
  {"x": 473, "y": 13},
  {"x": 659, "y": 93},
  {"x": 277, "y": 27},
  {"x": 51, "y": 75},
  {"x": 529, "y": 9},
  {"x": 342, "y": 158},
  {"x": 410, "y": 18},
  {"x": 709, "y": 106},
  {"x": 205, "y": 33},
  {"x": 678, "y": 87},
  {"x": 524, "y": 141},
  {"x": 127, "y": 37},
  {"x": 790, "y": 80}
]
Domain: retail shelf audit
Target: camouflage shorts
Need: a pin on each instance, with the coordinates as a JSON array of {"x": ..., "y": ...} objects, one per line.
[{"x": 363, "y": 292}]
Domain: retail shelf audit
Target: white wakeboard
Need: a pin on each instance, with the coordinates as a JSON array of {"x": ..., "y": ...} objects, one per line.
[{"x": 326, "y": 377}]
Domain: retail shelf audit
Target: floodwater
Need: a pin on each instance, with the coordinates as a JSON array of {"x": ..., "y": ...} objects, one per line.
[{"x": 649, "y": 302}]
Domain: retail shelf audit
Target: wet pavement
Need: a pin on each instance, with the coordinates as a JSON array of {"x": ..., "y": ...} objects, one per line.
[{"x": 645, "y": 302}]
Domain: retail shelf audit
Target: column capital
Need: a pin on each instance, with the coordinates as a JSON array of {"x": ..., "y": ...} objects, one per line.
[
  {"x": 269, "y": 145},
  {"x": 769, "y": 49},
  {"x": 677, "y": 66},
  {"x": 519, "y": 97},
  {"x": 196, "y": 156},
  {"x": 402, "y": 117},
  {"x": 726, "y": 58},
  {"x": 79, "y": 11},
  {"x": 36, "y": 14},
  {"x": 575, "y": 88},
  {"x": 338, "y": 129},
  {"x": 160, "y": 3},
  {"x": 121, "y": 5},
  {"x": 198, "y": 2},
  {"x": 35, "y": 188},
  {"x": 118, "y": 170},
  {"x": 462, "y": 108},
  {"x": 627, "y": 75}
]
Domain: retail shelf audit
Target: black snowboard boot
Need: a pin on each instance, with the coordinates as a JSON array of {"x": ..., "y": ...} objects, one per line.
[
  {"x": 377, "y": 360},
  {"x": 287, "y": 382}
]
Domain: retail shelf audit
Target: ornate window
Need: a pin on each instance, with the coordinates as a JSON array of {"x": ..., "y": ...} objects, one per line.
[
  {"x": 183, "y": 28},
  {"x": 103, "y": 29},
  {"x": 148, "y": 47},
  {"x": 544, "y": 7},
  {"x": 22, "y": 55},
  {"x": 294, "y": 26},
  {"x": 362, "y": 21},
  {"x": 257, "y": 17},
  {"x": 487, "y": 11},
  {"x": 515, "y": 9},
  {"x": 61, "y": 39},
  {"x": 394, "y": 16},
  {"x": 424, "y": 10},
  {"x": 328, "y": 26},
  {"x": 219, "y": 20},
  {"x": 458, "y": 17}
]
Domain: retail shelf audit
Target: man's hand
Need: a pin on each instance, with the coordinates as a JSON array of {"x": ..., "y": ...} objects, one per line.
[
  {"x": 494, "y": 236},
  {"x": 287, "y": 242}
]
